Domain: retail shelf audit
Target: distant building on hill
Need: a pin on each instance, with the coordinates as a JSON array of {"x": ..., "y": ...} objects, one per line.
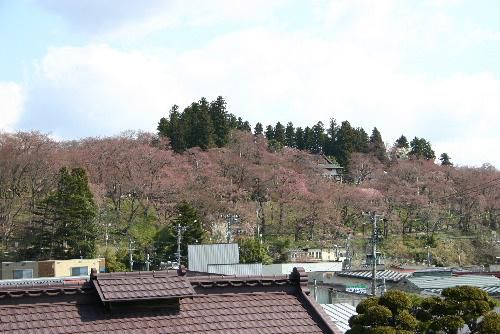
[
  {"x": 316, "y": 254},
  {"x": 330, "y": 169}
]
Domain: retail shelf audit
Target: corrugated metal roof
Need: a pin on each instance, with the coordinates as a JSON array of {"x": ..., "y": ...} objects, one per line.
[
  {"x": 340, "y": 314},
  {"x": 200, "y": 256},
  {"x": 236, "y": 269},
  {"x": 389, "y": 275},
  {"x": 434, "y": 282},
  {"x": 491, "y": 290}
]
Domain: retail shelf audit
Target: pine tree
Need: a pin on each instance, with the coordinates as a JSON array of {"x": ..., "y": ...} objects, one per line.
[
  {"x": 317, "y": 138},
  {"x": 377, "y": 146},
  {"x": 163, "y": 127},
  {"x": 331, "y": 137},
  {"x": 70, "y": 212},
  {"x": 290, "y": 135},
  {"x": 220, "y": 121},
  {"x": 421, "y": 149},
  {"x": 279, "y": 133},
  {"x": 258, "y": 129},
  {"x": 176, "y": 130},
  {"x": 269, "y": 132},
  {"x": 299, "y": 139},
  {"x": 308, "y": 138},
  {"x": 445, "y": 160},
  {"x": 361, "y": 141},
  {"x": 344, "y": 145},
  {"x": 402, "y": 142}
]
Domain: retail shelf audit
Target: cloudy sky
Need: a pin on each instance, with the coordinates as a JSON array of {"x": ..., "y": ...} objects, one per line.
[{"x": 428, "y": 68}]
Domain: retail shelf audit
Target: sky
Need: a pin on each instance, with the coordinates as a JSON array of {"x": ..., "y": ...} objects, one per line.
[{"x": 429, "y": 68}]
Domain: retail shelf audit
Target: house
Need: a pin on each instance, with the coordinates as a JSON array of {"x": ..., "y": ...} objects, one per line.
[
  {"x": 330, "y": 169},
  {"x": 51, "y": 268},
  {"x": 316, "y": 254},
  {"x": 162, "y": 302},
  {"x": 436, "y": 283}
]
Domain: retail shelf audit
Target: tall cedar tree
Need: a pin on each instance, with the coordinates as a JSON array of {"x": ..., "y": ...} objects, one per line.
[
  {"x": 421, "y": 149},
  {"x": 192, "y": 232},
  {"x": 361, "y": 141},
  {"x": 377, "y": 146},
  {"x": 308, "y": 140},
  {"x": 269, "y": 132},
  {"x": 290, "y": 135},
  {"x": 72, "y": 211},
  {"x": 317, "y": 138},
  {"x": 220, "y": 121},
  {"x": 402, "y": 142},
  {"x": 279, "y": 133},
  {"x": 299, "y": 139},
  {"x": 445, "y": 160},
  {"x": 331, "y": 137},
  {"x": 258, "y": 128},
  {"x": 344, "y": 145}
]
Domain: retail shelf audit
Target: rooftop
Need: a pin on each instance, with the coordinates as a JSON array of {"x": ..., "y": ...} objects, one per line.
[
  {"x": 165, "y": 303},
  {"x": 442, "y": 282}
]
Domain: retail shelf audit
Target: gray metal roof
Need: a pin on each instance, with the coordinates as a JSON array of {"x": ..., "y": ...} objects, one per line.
[
  {"x": 340, "y": 314},
  {"x": 236, "y": 269},
  {"x": 389, "y": 275},
  {"x": 200, "y": 256},
  {"x": 436, "y": 282},
  {"x": 491, "y": 290}
]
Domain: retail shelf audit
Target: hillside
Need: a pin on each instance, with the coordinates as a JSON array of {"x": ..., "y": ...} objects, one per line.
[{"x": 137, "y": 184}]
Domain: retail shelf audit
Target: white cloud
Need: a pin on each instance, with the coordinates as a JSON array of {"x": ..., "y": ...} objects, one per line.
[
  {"x": 11, "y": 104},
  {"x": 355, "y": 65}
]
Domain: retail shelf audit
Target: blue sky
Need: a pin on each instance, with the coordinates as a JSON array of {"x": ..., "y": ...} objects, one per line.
[{"x": 427, "y": 68}]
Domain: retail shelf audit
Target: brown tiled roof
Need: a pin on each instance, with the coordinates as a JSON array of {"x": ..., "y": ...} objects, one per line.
[
  {"x": 210, "y": 305},
  {"x": 149, "y": 285}
]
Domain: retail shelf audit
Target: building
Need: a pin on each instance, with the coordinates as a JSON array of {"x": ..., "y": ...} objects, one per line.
[
  {"x": 436, "y": 283},
  {"x": 316, "y": 254},
  {"x": 330, "y": 169},
  {"x": 200, "y": 256},
  {"x": 162, "y": 302},
  {"x": 51, "y": 268},
  {"x": 340, "y": 313}
]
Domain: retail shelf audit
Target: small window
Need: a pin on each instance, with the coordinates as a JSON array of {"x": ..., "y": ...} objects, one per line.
[
  {"x": 22, "y": 273},
  {"x": 79, "y": 271}
]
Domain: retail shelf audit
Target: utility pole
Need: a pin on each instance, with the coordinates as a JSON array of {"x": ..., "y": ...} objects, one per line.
[
  {"x": 373, "y": 218},
  {"x": 180, "y": 230},
  {"x": 130, "y": 252}
]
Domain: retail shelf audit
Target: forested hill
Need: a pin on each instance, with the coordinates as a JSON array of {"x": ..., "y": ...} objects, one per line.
[{"x": 99, "y": 196}]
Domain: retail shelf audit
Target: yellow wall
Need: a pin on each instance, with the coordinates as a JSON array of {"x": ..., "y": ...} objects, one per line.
[
  {"x": 63, "y": 267},
  {"x": 9, "y": 267}
]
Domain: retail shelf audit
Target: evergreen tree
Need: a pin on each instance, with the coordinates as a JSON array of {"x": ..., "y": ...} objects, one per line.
[
  {"x": 361, "y": 141},
  {"x": 163, "y": 127},
  {"x": 269, "y": 132},
  {"x": 220, "y": 121},
  {"x": 258, "y": 129},
  {"x": 191, "y": 228},
  {"x": 377, "y": 146},
  {"x": 445, "y": 160},
  {"x": 331, "y": 137},
  {"x": 308, "y": 138},
  {"x": 71, "y": 211},
  {"x": 421, "y": 149},
  {"x": 344, "y": 145},
  {"x": 246, "y": 127},
  {"x": 175, "y": 130},
  {"x": 279, "y": 133},
  {"x": 317, "y": 138},
  {"x": 402, "y": 142},
  {"x": 197, "y": 125},
  {"x": 290, "y": 135},
  {"x": 299, "y": 139}
]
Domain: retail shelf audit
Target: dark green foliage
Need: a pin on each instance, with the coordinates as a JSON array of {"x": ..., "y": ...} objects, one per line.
[
  {"x": 299, "y": 139},
  {"x": 308, "y": 138},
  {"x": 252, "y": 251},
  {"x": 190, "y": 221},
  {"x": 279, "y": 133},
  {"x": 445, "y": 160},
  {"x": 274, "y": 146},
  {"x": 365, "y": 304},
  {"x": 317, "y": 138},
  {"x": 377, "y": 146},
  {"x": 490, "y": 324},
  {"x": 402, "y": 142},
  {"x": 68, "y": 227},
  {"x": 344, "y": 144},
  {"x": 396, "y": 301},
  {"x": 361, "y": 141},
  {"x": 290, "y": 135},
  {"x": 269, "y": 132},
  {"x": 258, "y": 129},
  {"x": 202, "y": 124},
  {"x": 421, "y": 149}
]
